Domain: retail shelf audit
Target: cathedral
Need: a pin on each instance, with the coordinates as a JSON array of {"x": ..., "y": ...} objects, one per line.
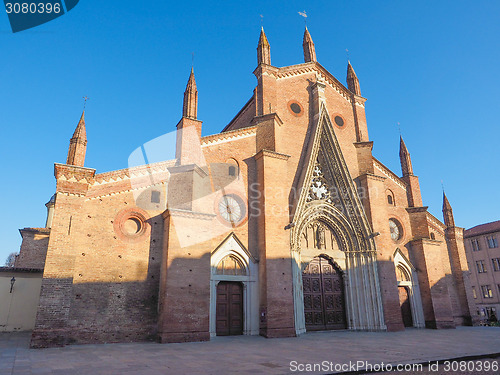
[{"x": 282, "y": 223}]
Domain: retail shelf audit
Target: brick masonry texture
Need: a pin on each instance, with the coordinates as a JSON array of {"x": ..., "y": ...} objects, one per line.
[{"x": 128, "y": 257}]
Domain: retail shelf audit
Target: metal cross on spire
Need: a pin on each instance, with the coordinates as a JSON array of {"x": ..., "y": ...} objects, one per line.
[
  {"x": 261, "y": 20},
  {"x": 399, "y": 128},
  {"x": 304, "y": 14},
  {"x": 192, "y": 59},
  {"x": 85, "y": 98},
  {"x": 347, "y": 54}
]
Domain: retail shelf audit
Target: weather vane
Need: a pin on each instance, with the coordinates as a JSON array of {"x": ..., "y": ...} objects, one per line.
[
  {"x": 192, "y": 59},
  {"x": 399, "y": 128},
  {"x": 442, "y": 185},
  {"x": 347, "y": 53},
  {"x": 85, "y": 98},
  {"x": 261, "y": 20},
  {"x": 304, "y": 14}
]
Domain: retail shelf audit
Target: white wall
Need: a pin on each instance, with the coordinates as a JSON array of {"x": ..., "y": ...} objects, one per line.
[{"x": 18, "y": 309}]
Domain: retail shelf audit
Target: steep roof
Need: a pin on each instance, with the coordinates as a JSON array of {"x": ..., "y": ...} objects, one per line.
[{"x": 494, "y": 226}]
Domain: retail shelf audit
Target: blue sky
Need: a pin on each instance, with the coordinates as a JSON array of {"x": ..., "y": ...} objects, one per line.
[{"x": 430, "y": 65}]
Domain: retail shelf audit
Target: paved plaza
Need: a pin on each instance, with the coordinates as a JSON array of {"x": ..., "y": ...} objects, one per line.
[{"x": 249, "y": 354}]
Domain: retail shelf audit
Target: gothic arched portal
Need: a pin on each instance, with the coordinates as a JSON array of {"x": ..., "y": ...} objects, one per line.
[{"x": 324, "y": 230}]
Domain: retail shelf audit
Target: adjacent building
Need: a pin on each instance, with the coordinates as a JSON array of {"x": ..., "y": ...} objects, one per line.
[{"x": 483, "y": 256}]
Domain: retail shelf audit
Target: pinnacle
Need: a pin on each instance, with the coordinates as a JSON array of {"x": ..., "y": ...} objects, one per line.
[
  {"x": 307, "y": 36},
  {"x": 191, "y": 81},
  {"x": 350, "y": 70},
  {"x": 263, "y": 37},
  {"x": 446, "y": 203},
  {"x": 402, "y": 147},
  {"x": 80, "y": 131}
]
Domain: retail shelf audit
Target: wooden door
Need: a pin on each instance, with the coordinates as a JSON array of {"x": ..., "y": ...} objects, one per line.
[
  {"x": 404, "y": 302},
  {"x": 323, "y": 288},
  {"x": 229, "y": 309}
]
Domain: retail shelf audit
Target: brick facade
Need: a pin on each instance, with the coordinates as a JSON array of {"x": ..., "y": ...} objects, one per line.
[{"x": 130, "y": 252}]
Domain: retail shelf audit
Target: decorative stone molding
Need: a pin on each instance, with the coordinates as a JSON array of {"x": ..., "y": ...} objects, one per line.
[
  {"x": 188, "y": 214},
  {"x": 388, "y": 173},
  {"x": 229, "y": 136},
  {"x": 413, "y": 288},
  {"x": 232, "y": 246},
  {"x": 338, "y": 208},
  {"x": 271, "y": 154}
]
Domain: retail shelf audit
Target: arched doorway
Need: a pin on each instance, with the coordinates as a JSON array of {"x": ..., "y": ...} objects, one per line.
[
  {"x": 404, "y": 302},
  {"x": 234, "y": 297},
  {"x": 324, "y": 302},
  {"x": 410, "y": 302}
]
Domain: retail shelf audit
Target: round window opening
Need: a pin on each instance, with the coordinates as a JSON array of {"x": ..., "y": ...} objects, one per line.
[
  {"x": 339, "y": 121},
  {"x": 295, "y": 107},
  {"x": 132, "y": 226},
  {"x": 231, "y": 209},
  {"x": 396, "y": 230}
]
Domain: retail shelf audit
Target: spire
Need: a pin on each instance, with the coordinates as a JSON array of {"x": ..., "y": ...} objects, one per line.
[
  {"x": 78, "y": 144},
  {"x": 263, "y": 49},
  {"x": 352, "y": 80},
  {"x": 405, "y": 159},
  {"x": 190, "y": 106},
  {"x": 447, "y": 212},
  {"x": 308, "y": 45}
]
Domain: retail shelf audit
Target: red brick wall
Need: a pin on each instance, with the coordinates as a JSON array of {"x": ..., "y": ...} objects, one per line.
[{"x": 33, "y": 248}]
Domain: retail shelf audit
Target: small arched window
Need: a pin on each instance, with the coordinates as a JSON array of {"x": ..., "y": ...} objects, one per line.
[
  {"x": 390, "y": 197},
  {"x": 230, "y": 265},
  {"x": 232, "y": 170},
  {"x": 402, "y": 274},
  {"x": 433, "y": 236}
]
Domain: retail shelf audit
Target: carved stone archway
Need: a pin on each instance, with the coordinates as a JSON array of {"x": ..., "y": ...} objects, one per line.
[
  {"x": 246, "y": 271},
  {"x": 406, "y": 276},
  {"x": 362, "y": 289}
]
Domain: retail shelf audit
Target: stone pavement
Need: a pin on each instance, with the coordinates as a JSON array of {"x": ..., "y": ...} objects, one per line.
[{"x": 248, "y": 354}]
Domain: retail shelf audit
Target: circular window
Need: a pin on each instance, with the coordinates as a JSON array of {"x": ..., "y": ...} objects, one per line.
[
  {"x": 295, "y": 108},
  {"x": 339, "y": 121},
  {"x": 231, "y": 209},
  {"x": 132, "y": 226},
  {"x": 396, "y": 229}
]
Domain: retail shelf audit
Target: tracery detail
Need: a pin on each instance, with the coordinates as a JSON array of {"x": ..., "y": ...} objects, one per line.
[{"x": 319, "y": 189}]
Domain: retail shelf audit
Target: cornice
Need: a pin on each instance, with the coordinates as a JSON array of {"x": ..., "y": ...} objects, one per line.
[
  {"x": 374, "y": 177},
  {"x": 188, "y": 214},
  {"x": 35, "y": 230},
  {"x": 228, "y": 136},
  {"x": 271, "y": 154},
  {"x": 436, "y": 223},
  {"x": 368, "y": 144},
  {"x": 415, "y": 210},
  {"x": 391, "y": 175},
  {"x": 133, "y": 172},
  {"x": 120, "y": 191},
  {"x": 270, "y": 116}
]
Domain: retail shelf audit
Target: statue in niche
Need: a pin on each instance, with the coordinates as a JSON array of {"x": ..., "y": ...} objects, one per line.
[{"x": 320, "y": 237}]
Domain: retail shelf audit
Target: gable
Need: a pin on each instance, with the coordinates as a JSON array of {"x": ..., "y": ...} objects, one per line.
[{"x": 325, "y": 178}]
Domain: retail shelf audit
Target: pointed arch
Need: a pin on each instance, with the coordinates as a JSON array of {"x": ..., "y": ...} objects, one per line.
[
  {"x": 410, "y": 282},
  {"x": 341, "y": 209},
  {"x": 246, "y": 271}
]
